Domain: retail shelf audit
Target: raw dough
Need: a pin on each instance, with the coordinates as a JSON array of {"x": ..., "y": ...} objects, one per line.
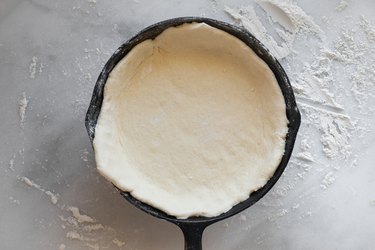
[{"x": 192, "y": 122}]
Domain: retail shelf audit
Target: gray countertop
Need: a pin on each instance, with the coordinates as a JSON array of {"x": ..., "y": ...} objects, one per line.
[{"x": 51, "y": 54}]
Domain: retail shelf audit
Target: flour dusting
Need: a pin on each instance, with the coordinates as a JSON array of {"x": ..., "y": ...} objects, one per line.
[
  {"x": 11, "y": 162},
  {"x": 118, "y": 242},
  {"x": 247, "y": 17},
  {"x": 22, "y": 107},
  {"x": 74, "y": 235},
  {"x": 243, "y": 217},
  {"x": 343, "y": 4},
  {"x": 62, "y": 247},
  {"x": 300, "y": 22},
  {"x": 336, "y": 134},
  {"x": 88, "y": 231},
  {"x": 15, "y": 201},
  {"x": 362, "y": 58},
  {"x": 314, "y": 80},
  {"x": 52, "y": 196},
  {"x": 32, "y": 67},
  {"x": 84, "y": 155},
  {"x": 328, "y": 180},
  {"x": 368, "y": 28},
  {"x": 305, "y": 153},
  {"x": 81, "y": 218},
  {"x": 336, "y": 130}
]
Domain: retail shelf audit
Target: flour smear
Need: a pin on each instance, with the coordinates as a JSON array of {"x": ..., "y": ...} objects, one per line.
[
  {"x": 53, "y": 197},
  {"x": 22, "y": 107}
]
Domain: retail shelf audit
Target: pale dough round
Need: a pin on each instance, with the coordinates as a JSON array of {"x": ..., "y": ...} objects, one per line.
[{"x": 192, "y": 122}]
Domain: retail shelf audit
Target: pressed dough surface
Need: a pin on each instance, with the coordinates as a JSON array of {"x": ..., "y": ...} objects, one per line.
[{"x": 192, "y": 122}]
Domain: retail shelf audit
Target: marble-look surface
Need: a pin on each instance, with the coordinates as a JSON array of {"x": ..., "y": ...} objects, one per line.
[{"x": 53, "y": 52}]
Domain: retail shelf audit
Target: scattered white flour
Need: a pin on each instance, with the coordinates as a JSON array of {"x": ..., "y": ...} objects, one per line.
[
  {"x": 11, "y": 162},
  {"x": 305, "y": 153},
  {"x": 312, "y": 83},
  {"x": 32, "y": 67},
  {"x": 354, "y": 163},
  {"x": 295, "y": 206},
  {"x": 336, "y": 133},
  {"x": 362, "y": 80},
  {"x": 362, "y": 57},
  {"x": 52, "y": 196},
  {"x": 261, "y": 238},
  {"x": 342, "y": 5},
  {"x": 22, "y": 107},
  {"x": 278, "y": 214},
  {"x": 298, "y": 22},
  {"x": 88, "y": 76},
  {"x": 247, "y": 17},
  {"x": 328, "y": 180},
  {"x": 242, "y": 217},
  {"x": 118, "y": 242},
  {"x": 62, "y": 247},
  {"x": 306, "y": 156},
  {"x": 80, "y": 10},
  {"x": 314, "y": 87},
  {"x": 86, "y": 230},
  {"x": 347, "y": 49},
  {"x": 12, "y": 199},
  {"x": 93, "y": 227},
  {"x": 81, "y": 218},
  {"x": 368, "y": 28},
  {"x": 84, "y": 155},
  {"x": 335, "y": 129},
  {"x": 76, "y": 236},
  {"x": 297, "y": 16}
]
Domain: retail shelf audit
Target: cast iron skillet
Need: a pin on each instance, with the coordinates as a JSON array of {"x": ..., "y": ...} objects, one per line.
[{"x": 193, "y": 227}]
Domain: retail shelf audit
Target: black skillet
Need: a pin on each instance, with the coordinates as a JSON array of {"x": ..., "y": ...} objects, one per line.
[{"x": 193, "y": 227}]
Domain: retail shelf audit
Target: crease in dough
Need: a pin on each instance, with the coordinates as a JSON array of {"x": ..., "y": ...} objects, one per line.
[{"x": 192, "y": 122}]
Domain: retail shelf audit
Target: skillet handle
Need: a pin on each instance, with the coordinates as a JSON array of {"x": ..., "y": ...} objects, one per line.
[{"x": 193, "y": 235}]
